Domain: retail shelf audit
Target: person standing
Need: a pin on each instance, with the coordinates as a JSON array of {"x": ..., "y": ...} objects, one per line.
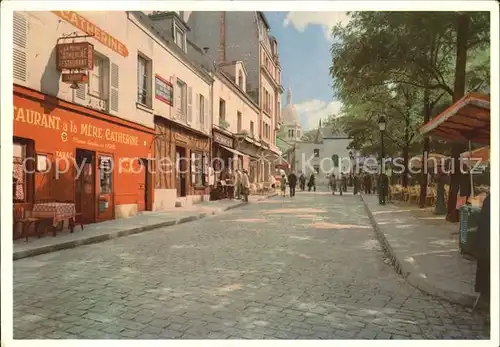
[
  {"x": 333, "y": 183},
  {"x": 312, "y": 182},
  {"x": 283, "y": 184},
  {"x": 383, "y": 190},
  {"x": 237, "y": 184},
  {"x": 344, "y": 181},
  {"x": 302, "y": 180},
  {"x": 482, "y": 285},
  {"x": 292, "y": 183},
  {"x": 356, "y": 184},
  {"x": 368, "y": 184},
  {"x": 245, "y": 184}
]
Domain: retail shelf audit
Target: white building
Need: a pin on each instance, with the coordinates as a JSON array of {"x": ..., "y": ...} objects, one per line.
[{"x": 328, "y": 153}]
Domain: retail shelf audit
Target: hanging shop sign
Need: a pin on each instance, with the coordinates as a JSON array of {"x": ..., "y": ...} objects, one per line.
[
  {"x": 164, "y": 90},
  {"x": 75, "y": 77},
  {"x": 75, "y": 56},
  {"x": 223, "y": 139}
]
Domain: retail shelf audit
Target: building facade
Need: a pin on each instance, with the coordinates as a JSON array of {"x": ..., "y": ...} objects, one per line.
[
  {"x": 85, "y": 129},
  {"x": 221, "y": 33}
]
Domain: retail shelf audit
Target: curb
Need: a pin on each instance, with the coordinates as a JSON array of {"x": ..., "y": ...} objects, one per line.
[
  {"x": 406, "y": 271},
  {"x": 121, "y": 233}
]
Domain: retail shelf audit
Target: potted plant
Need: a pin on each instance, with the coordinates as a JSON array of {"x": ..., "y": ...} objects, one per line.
[{"x": 223, "y": 123}]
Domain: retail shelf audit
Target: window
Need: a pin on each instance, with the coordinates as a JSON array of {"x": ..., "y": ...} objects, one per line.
[
  {"x": 252, "y": 129},
  {"x": 98, "y": 78},
  {"x": 239, "y": 122},
  {"x": 202, "y": 110},
  {"x": 180, "y": 37},
  {"x": 105, "y": 175},
  {"x": 316, "y": 152},
  {"x": 240, "y": 79},
  {"x": 199, "y": 169},
  {"x": 181, "y": 99},
  {"x": 19, "y": 176},
  {"x": 222, "y": 110},
  {"x": 144, "y": 81}
]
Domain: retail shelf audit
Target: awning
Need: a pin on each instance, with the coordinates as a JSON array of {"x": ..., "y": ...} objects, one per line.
[
  {"x": 234, "y": 151},
  {"x": 481, "y": 154},
  {"x": 466, "y": 120}
]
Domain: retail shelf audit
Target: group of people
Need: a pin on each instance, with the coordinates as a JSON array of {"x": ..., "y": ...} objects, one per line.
[
  {"x": 291, "y": 181},
  {"x": 240, "y": 180},
  {"x": 342, "y": 183}
]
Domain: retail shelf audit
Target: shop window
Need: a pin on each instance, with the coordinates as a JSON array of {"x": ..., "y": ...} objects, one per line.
[
  {"x": 316, "y": 152},
  {"x": 99, "y": 83},
  {"x": 19, "y": 175},
  {"x": 239, "y": 122},
  {"x": 181, "y": 100},
  {"x": 105, "y": 175},
  {"x": 144, "y": 80},
  {"x": 198, "y": 169}
]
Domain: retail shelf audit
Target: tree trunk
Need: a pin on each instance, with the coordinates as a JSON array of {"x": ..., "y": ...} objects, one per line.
[
  {"x": 463, "y": 23},
  {"x": 406, "y": 152},
  {"x": 423, "y": 181}
]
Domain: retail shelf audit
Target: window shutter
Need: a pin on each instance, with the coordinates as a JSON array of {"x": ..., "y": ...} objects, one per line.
[
  {"x": 193, "y": 168},
  {"x": 205, "y": 118},
  {"x": 20, "y": 40},
  {"x": 190, "y": 105},
  {"x": 197, "y": 107},
  {"x": 81, "y": 92},
  {"x": 113, "y": 87}
]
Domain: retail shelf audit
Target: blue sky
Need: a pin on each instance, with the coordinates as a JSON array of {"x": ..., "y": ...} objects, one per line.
[{"x": 304, "y": 44}]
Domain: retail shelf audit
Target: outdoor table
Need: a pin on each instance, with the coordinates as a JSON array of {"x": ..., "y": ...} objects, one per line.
[{"x": 56, "y": 211}]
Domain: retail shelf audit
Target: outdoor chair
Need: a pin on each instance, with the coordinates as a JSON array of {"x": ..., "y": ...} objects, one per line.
[{"x": 19, "y": 217}]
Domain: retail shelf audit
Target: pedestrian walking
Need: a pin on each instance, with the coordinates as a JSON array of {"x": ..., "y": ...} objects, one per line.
[
  {"x": 482, "y": 285},
  {"x": 302, "y": 181},
  {"x": 283, "y": 184},
  {"x": 356, "y": 184},
  {"x": 237, "y": 184},
  {"x": 344, "y": 181},
  {"x": 292, "y": 183},
  {"x": 312, "y": 182},
  {"x": 367, "y": 184},
  {"x": 332, "y": 183},
  {"x": 245, "y": 183}
]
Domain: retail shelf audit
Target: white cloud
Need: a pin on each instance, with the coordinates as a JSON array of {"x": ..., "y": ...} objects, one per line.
[
  {"x": 311, "y": 111},
  {"x": 301, "y": 20}
]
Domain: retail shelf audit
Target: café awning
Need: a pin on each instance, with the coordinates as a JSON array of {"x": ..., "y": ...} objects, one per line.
[
  {"x": 481, "y": 154},
  {"x": 234, "y": 151},
  {"x": 466, "y": 120}
]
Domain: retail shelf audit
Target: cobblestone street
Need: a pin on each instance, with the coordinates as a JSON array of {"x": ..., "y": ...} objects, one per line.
[{"x": 302, "y": 268}]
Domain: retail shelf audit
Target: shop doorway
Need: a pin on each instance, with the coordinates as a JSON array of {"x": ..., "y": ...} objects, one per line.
[
  {"x": 85, "y": 197},
  {"x": 105, "y": 190},
  {"x": 181, "y": 171},
  {"x": 144, "y": 186}
]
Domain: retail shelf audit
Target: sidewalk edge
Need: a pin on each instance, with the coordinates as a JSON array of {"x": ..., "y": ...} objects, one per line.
[
  {"x": 406, "y": 271},
  {"x": 116, "y": 234}
]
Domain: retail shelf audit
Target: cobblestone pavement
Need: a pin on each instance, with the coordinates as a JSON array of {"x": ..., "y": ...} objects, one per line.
[{"x": 307, "y": 268}]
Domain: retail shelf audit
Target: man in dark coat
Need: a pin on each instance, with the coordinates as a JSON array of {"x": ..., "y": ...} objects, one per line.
[
  {"x": 368, "y": 184},
  {"x": 292, "y": 183},
  {"x": 302, "y": 181},
  {"x": 312, "y": 182},
  {"x": 483, "y": 252},
  {"x": 344, "y": 182},
  {"x": 356, "y": 184},
  {"x": 383, "y": 190}
]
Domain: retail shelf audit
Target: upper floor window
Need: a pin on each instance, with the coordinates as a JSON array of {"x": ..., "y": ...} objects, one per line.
[
  {"x": 144, "y": 80},
  {"x": 202, "y": 110},
  {"x": 20, "y": 40},
  {"x": 99, "y": 82},
  {"x": 252, "y": 128},
  {"x": 181, "y": 99},
  {"x": 222, "y": 110},
  {"x": 239, "y": 122},
  {"x": 180, "y": 37}
]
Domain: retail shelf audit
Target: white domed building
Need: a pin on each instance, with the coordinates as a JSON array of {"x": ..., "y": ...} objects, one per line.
[{"x": 291, "y": 128}]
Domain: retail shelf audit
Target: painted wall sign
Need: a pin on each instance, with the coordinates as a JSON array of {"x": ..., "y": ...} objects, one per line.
[
  {"x": 223, "y": 139},
  {"x": 75, "y": 55},
  {"x": 164, "y": 90},
  {"x": 90, "y": 28}
]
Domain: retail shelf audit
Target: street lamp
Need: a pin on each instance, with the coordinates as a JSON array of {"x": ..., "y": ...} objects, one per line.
[{"x": 381, "y": 126}]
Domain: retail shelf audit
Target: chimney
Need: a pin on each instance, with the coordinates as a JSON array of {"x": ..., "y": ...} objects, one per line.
[{"x": 222, "y": 34}]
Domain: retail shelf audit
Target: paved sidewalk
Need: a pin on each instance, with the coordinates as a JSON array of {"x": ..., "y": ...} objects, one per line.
[
  {"x": 424, "y": 249},
  {"x": 100, "y": 232}
]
